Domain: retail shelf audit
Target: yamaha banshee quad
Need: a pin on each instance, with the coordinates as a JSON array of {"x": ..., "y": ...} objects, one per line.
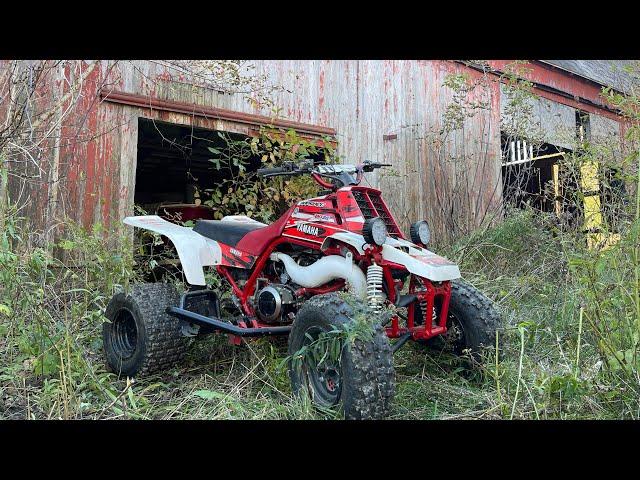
[{"x": 285, "y": 279}]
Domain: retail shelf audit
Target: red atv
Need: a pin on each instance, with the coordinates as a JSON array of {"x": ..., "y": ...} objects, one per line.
[{"x": 285, "y": 279}]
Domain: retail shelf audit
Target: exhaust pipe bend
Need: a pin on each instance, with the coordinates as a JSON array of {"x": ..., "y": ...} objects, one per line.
[{"x": 324, "y": 270}]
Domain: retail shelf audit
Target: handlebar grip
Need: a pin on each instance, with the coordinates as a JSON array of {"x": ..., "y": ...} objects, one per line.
[{"x": 371, "y": 166}]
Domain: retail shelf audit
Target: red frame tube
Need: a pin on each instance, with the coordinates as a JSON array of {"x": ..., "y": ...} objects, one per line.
[{"x": 249, "y": 288}]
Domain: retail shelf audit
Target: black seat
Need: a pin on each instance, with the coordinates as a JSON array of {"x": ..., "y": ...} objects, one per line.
[{"x": 229, "y": 233}]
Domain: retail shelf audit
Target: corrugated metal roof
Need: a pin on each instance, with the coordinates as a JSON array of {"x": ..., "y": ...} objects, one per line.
[{"x": 605, "y": 72}]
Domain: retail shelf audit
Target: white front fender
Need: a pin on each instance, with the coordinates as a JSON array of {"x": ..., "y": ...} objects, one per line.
[
  {"x": 194, "y": 250},
  {"x": 419, "y": 261},
  {"x": 425, "y": 264}
]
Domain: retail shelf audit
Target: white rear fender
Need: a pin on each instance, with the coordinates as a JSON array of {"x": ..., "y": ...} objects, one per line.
[
  {"x": 194, "y": 250},
  {"x": 419, "y": 261}
]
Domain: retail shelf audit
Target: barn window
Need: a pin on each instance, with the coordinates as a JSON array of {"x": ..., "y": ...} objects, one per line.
[
  {"x": 530, "y": 174},
  {"x": 601, "y": 181},
  {"x": 583, "y": 127}
]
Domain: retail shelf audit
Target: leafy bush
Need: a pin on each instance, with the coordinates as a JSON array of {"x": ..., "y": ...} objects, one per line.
[{"x": 243, "y": 193}]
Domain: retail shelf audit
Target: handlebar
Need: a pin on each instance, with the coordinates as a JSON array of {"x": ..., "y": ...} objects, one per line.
[
  {"x": 307, "y": 167},
  {"x": 263, "y": 172},
  {"x": 371, "y": 166},
  {"x": 286, "y": 168}
]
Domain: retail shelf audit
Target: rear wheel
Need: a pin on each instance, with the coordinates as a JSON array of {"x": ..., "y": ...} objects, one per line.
[
  {"x": 358, "y": 375},
  {"x": 140, "y": 337}
]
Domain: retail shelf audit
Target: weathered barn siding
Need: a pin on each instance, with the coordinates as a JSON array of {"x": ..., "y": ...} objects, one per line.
[
  {"x": 609, "y": 134},
  {"x": 556, "y": 122},
  {"x": 386, "y": 111},
  {"x": 363, "y": 101},
  {"x": 604, "y": 128}
]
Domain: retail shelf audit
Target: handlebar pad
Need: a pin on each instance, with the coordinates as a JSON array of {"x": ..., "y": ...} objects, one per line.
[{"x": 272, "y": 171}]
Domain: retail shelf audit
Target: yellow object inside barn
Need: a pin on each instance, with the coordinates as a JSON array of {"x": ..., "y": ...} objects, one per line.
[{"x": 597, "y": 237}]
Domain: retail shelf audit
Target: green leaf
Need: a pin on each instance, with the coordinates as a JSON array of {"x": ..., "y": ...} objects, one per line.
[
  {"x": 67, "y": 244},
  {"x": 5, "y": 310},
  {"x": 208, "y": 394},
  {"x": 132, "y": 399},
  {"x": 46, "y": 364}
]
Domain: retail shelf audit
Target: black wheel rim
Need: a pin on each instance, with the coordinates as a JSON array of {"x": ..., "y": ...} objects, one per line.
[
  {"x": 324, "y": 380},
  {"x": 124, "y": 334},
  {"x": 454, "y": 338}
]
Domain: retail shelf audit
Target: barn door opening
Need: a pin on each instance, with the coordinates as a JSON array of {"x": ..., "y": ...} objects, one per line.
[
  {"x": 185, "y": 173},
  {"x": 175, "y": 167}
]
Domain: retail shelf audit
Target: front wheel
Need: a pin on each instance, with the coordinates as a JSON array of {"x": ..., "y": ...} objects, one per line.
[
  {"x": 471, "y": 324},
  {"x": 334, "y": 369}
]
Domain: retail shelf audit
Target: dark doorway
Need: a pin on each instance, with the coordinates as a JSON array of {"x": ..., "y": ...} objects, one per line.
[{"x": 176, "y": 163}]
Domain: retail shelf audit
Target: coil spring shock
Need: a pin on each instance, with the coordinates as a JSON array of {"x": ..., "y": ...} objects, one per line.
[
  {"x": 423, "y": 309},
  {"x": 375, "y": 296}
]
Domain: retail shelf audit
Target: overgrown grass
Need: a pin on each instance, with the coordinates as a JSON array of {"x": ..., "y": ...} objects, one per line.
[{"x": 569, "y": 314}]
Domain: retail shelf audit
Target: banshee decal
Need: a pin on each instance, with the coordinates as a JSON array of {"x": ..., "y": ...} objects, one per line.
[
  {"x": 321, "y": 209},
  {"x": 310, "y": 203},
  {"x": 314, "y": 217}
]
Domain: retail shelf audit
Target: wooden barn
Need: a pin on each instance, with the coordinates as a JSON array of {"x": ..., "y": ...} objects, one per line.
[{"x": 109, "y": 149}]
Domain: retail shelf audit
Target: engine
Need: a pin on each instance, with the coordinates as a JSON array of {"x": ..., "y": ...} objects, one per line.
[{"x": 275, "y": 303}]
